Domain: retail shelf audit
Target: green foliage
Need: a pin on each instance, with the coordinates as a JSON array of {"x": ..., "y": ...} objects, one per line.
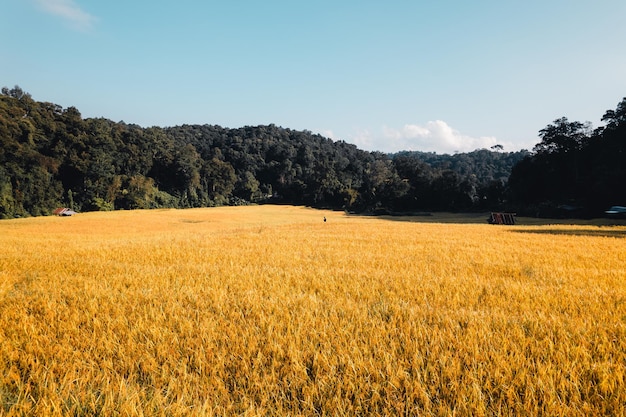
[
  {"x": 574, "y": 170},
  {"x": 7, "y": 202},
  {"x": 100, "y": 204},
  {"x": 51, "y": 157}
]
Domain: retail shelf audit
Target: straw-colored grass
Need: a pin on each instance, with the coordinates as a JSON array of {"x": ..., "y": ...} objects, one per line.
[{"x": 270, "y": 311}]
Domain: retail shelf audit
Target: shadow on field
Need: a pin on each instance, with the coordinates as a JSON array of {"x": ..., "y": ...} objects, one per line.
[
  {"x": 458, "y": 218},
  {"x": 481, "y": 218},
  {"x": 568, "y": 232}
]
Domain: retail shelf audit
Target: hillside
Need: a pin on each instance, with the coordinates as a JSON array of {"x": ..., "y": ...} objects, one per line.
[{"x": 51, "y": 156}]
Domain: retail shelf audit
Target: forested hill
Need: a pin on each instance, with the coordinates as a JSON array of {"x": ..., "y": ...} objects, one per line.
[{"x": 50, "y": 156}]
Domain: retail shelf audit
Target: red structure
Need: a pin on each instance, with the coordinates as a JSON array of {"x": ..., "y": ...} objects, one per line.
[
  {"x": 63, "y": 211},
  {"x": 502, "y": 218}
]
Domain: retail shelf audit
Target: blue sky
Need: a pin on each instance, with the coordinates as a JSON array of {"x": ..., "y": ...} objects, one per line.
[{"x": 441, "y": 76}]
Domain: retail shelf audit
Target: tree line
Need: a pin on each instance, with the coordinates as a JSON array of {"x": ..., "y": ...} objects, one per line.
[
  {"x": 51, "y": 156},
  {"x": 574, "y": 170}
]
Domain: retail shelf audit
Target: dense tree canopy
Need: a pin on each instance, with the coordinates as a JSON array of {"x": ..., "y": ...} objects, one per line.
[
  {"x": 574, "y": 170},
  {"x": 51, "y": 157}
]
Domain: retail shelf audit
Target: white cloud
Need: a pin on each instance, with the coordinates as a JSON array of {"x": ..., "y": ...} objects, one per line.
[
  {"x": 434, "y": 136},
  {"x": 363, "y": 140},
  {"x": 328, "y": 134},
  {"x": 69, "y": 11}
]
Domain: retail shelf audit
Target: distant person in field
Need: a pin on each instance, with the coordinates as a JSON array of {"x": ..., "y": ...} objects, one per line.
[{"x": 324, "y": 219}]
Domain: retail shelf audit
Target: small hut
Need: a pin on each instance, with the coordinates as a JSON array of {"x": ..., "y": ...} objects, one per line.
[
  {"x": 502, "y": 218},
  {"x": 64, "y": 212}
]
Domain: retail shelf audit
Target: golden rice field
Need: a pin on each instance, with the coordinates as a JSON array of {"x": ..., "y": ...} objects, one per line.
[{"x": 269, "y": 311}]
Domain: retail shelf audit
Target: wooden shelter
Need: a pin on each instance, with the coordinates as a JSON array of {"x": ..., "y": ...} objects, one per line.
[
  {"x": 502, "y": 218},
  {"x": 63, "y": 211}
]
